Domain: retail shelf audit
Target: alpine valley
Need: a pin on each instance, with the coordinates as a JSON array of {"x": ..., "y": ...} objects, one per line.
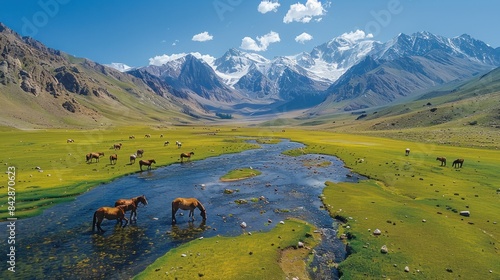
[{"x": 342, "y": 75}]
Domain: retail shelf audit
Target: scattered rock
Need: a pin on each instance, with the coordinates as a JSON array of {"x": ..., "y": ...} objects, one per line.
[
  {"x": 384, "y": 250},
  {"x": 377, "y": 232},
  {"x": 407, "y": 269},
  {"x": 281, "y": 222},
  {"x": 300, "y": 244},
  {"x": 465, "y": 213},
  {"x": 183, "y": 255},
  {"x": 243, "y": 225}
]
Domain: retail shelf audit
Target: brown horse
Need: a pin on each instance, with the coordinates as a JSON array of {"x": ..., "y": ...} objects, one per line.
[
  {"x": 132, "y": 204},
  {"x": 458, "y": 163},
  {"x": 91, "y": 156},
  {"x": 131, "y": 137},
  {"x": 70, "y": 141},
  {"x": 117, "y": 146},
  {"x": 113, "y": 158},
  {"x": 186, "y": 155},
  {"x": 187, "y": 204},
  {"x": 109, "y": 213},
  {"x": 442, "y": 160},
  {"x": 139, "y": 152},
  {"x": 147, "y": 162}
]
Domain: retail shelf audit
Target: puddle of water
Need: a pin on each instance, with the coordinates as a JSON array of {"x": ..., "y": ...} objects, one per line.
[{"x": 59, "y": 243}]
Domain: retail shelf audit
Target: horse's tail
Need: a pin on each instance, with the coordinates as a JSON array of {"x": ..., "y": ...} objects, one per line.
[{"x": 94, "y": 220}]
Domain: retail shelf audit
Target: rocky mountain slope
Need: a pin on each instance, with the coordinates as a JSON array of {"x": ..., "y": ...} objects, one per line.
[{"x": 43, "y": 87}]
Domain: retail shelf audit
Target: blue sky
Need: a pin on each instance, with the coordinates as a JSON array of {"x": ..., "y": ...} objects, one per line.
[{"x": 133, "y": 31}]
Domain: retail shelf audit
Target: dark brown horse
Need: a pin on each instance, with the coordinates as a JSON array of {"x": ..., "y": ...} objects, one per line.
[
  {"x": 458, "y": 163},
  {"x": 186, "y": 155},
  {"x": 117, "y": 146},
  {"x": 91, "y": 156},
  {"x": 132, "y": 204},
  {"x": 139, "y": 152},
  {"x": 442, "y": 160},
  {"x": 113, "y": 158},
  {"x": 146, "y": 162},
  {"x": 109, "y": 213},
  {"x": 187, "y": 204}
]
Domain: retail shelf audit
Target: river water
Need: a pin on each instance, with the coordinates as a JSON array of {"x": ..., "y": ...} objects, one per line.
[{"x": 59, "y": 244}]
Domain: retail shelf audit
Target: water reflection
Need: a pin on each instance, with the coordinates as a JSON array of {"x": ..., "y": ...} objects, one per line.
[{"x": 59, "y": 244}]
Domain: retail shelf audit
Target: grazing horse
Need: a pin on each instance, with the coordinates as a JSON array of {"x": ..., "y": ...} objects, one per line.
[
  {"x": 442, "y": 160},
  {"x": 146, "y": 162},
  {"x": 132, "y": 204},
  {"x": 186, "y": 155},
  {"x": 187, "y": 204},
  {"x": 179, "y": 144},
  {"x": 70, "y": 141},
  {"x": 131, "y": 137},
  {"x": 147, "y": 136},
  {"x": 139, "y": 152},
  {"x": 117, "y": 146},
  {"x": 407, "y": 151},
  {"x": 109, "y": 213},
  {"x": 113, "y": 158},
  {"x": 458, "y": 163},
  {"x": 161, "y": 135},
  {"x": 132, "y": 158},
  {"x": 166, "y": 143},
  {"x": 91, "y": 156}
]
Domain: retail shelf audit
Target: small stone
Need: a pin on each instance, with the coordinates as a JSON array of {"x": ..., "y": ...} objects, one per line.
[
  {"x": 424, "y": 220},
  {"x": 384, "y": 250},
  {"x": 183, "y": 255},
  {"x": 377, "y": 232},
  {"x": 407, "y": 269},
  {"x": 300, "y": 244}
]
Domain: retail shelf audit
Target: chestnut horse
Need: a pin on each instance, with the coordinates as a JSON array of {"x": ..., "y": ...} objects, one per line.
[
  {"x": 132, "y": 204},
  {"x": 458, "y": 163},
  {"x": 117, "y": 146},
  {"x": 113, "y": 158},
  {"x": 186, "y": 155},
  {"x": 187, "y": 204},
  {"x": 147, "y": 162},
  {"x": 442, "y": 160},
  {"x": 91, "y": 156},
  {"x": 139, "y": 152},
  {"x": 109, "y": 213}
]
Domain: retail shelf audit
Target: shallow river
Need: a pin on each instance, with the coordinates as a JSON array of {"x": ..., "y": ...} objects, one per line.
[{"x": 59, "y": 244}]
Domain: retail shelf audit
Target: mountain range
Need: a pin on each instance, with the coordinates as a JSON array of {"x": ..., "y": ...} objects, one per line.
[
  {"x": 344, "y": 74},
  {"x": 348, "y": 74}
]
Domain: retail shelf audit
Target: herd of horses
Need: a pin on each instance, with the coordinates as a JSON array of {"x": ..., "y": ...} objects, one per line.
[
  {"x": 113, "y": 158},
  {"x": 123, "y": 205},
  {"x": 456, "y": 163}
]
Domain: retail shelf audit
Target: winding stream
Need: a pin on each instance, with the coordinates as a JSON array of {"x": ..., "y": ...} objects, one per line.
[{"x": 59, "y": 243}]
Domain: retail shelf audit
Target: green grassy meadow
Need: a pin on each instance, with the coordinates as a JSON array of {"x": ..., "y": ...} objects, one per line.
[
  {"x": 413, "y": 200},
  {"x": 240, "y": 174}
]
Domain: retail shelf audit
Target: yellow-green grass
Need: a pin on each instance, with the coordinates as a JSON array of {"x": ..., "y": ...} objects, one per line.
[
  {"x": 63, "y": 172},
  {"x": 240, "y": 174},
  {"x": 406, "y": 190},
  {"x": 256, "y": 256}
]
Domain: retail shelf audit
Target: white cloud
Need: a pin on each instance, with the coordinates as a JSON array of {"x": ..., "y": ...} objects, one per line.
[
  {"x": 304, "y": 37},
  {"x": 304, "y": 13},
  {"x": 268, "y": 6},
  {"x": 357, "y": 35},
  {"x": 202, "y": 37},
  {"x": 248, "y": 43},
  {"x": 162, "y": 59}
]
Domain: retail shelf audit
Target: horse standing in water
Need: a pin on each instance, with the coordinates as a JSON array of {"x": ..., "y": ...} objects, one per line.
[
  {"x": 458, "y": 163},
  {"x": 187, "y": 204},
  {"x": 109, "y": 213},
  {"x": 132, "y": 204},
  {"x": 186, "y": 155},
  {"x": 442, "y": 160}
]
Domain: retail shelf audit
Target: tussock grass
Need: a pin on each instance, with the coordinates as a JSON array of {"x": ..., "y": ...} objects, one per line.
[{"x": 261, "y": 255}]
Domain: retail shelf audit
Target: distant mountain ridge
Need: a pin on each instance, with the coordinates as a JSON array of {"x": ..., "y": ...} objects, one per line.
[{"x": 407, "y": 63}]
